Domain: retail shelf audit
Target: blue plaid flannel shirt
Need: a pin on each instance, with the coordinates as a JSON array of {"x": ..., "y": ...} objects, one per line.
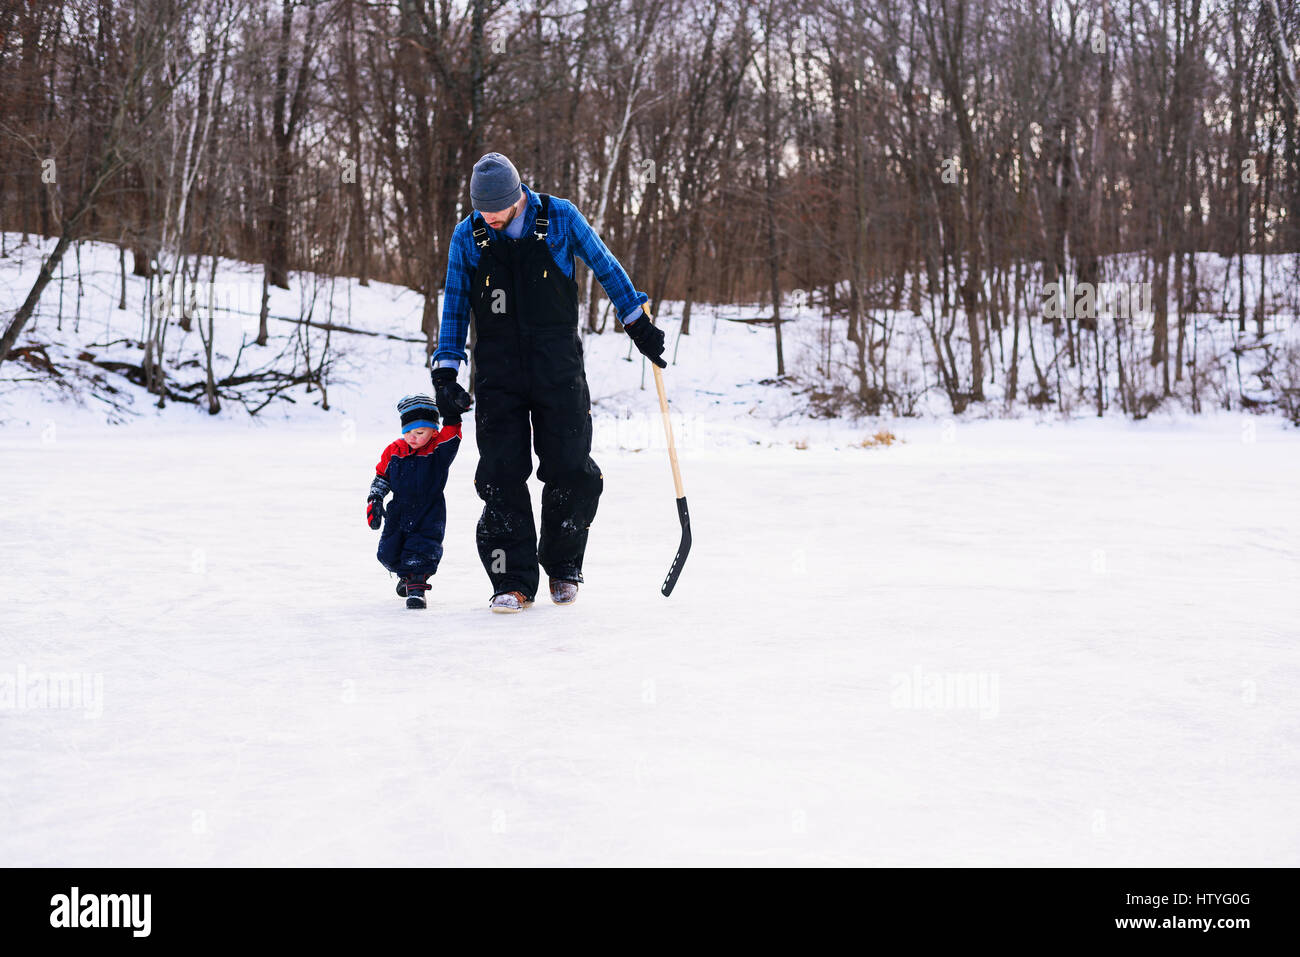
[{"x": 568, "y": 234}]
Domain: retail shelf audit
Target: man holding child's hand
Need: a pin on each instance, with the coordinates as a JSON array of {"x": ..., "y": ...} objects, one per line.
[{"x": 511, "y": 264}]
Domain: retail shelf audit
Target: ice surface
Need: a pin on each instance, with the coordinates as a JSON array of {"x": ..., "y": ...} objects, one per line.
[{"x": 1126, "y": 597}]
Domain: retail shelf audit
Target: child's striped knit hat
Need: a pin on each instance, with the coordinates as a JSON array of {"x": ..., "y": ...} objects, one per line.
[{"x": 418, "y": 411}]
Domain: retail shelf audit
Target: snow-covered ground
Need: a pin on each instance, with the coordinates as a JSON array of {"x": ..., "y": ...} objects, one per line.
[{"x": 991, "y": 642}]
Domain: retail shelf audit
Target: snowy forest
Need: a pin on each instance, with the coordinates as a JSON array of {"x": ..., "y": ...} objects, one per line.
[{"x": 1089, "y": 207}]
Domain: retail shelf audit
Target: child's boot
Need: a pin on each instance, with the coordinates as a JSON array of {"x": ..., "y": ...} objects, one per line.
[{"x": 416, "y": 586}]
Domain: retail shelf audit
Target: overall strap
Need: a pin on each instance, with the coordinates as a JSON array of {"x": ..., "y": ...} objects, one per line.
[
  {"x": 480, "y": 233},
  {"x": 541, "y": 223}
]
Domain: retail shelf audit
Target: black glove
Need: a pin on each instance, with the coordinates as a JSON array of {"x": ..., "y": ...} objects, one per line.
[
  {"x": 452, "y": 399},
  {"x": 649, "y": 338},
  {"x": 374, "y": 511}
]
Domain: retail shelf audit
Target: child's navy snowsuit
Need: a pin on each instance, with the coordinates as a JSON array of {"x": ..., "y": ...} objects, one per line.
[{"x": 415, "y": 519}]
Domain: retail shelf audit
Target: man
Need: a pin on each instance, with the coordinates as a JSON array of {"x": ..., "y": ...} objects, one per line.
[{"x": 511, "y": 264}]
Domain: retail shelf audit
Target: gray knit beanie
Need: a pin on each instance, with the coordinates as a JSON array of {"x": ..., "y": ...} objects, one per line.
[{"x": 494, "y": 185}]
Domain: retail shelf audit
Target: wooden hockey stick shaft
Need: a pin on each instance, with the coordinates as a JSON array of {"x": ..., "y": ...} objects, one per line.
[
  {"x": 683, "y": 514},
  {"x": 668, "y": 425}
]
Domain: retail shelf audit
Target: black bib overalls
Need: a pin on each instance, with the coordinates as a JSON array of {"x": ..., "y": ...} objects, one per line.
[{"x": 528, "y": 362}]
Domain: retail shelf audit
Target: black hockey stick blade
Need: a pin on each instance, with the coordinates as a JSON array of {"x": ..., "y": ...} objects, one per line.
[{"x": 680, "y": 558}]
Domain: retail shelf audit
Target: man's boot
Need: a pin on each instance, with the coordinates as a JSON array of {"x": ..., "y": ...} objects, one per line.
[
  {"x": 563, "y": 591},
  {"x": 509, "y": 602}
]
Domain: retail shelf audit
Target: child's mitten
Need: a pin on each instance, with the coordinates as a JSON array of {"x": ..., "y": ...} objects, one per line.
[{"x": 379, "y": 487}]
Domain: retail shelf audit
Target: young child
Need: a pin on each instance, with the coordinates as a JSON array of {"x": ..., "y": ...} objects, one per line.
[{"x": 414, "y": 468}]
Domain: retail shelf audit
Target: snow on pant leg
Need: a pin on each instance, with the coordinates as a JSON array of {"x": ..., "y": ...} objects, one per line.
[
  {"x": 422, "y": 549},
  {"x": 572, "y": 482},
  {"x": 506, "y": 534}
]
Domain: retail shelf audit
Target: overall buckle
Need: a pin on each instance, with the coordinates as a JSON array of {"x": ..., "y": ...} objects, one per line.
[{"x": 540, "y": 234}]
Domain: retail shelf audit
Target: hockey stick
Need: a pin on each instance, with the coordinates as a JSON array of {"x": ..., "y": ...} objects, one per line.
[{"x": 680, "y": 558}]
